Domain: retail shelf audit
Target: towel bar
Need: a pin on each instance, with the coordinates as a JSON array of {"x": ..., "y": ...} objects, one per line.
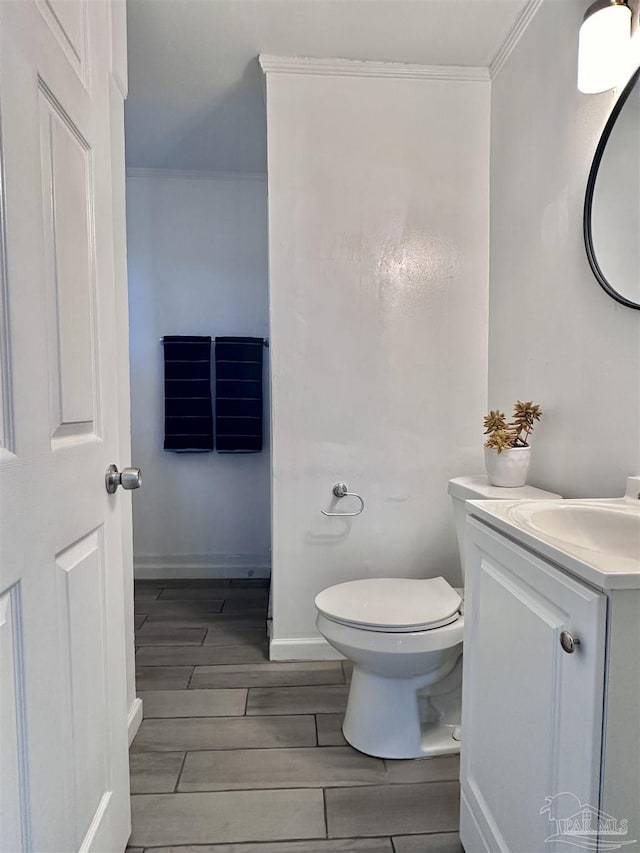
[{"x": 265, "y": 341}]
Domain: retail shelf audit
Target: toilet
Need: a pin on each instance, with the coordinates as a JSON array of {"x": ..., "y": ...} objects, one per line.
[{"x": 404, "y": 638}]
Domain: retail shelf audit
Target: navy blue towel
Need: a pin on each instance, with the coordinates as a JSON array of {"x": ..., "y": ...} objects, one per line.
[
  {"x": 239, "y": 395},
  {"x": 188, "y": 421}
]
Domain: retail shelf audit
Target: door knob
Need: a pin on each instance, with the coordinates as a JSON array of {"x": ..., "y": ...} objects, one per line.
[
  {"x": 568, "y": 642},
  {"x": 128, "y": 478}
]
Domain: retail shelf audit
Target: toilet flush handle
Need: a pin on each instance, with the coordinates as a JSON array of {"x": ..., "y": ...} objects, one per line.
[{"x": 341, "y": 490}]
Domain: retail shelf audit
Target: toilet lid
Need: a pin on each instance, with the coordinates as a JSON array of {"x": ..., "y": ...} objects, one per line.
[{"x": 391, "y": 604}]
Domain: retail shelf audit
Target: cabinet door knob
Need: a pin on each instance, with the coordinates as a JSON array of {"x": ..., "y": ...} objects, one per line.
[{"x": 568, "y": 642}]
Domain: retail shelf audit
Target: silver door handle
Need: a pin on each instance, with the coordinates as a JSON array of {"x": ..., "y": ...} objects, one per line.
[
  {"x": 341, "y": 490},
  {"x": 128, "y": 478},
  {"x": 568, "y": 642}
]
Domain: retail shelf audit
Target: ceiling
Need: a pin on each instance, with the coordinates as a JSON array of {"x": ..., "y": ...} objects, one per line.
[{"x": 195, "y": 90}]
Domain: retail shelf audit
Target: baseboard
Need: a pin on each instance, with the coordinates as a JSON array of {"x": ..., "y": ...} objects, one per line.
[
  {"x": 303, "y": 648},
  {"x": 134, "y": 719},
  {"x": 471, "y": 834},
  {"x": 176, "y": 566}
]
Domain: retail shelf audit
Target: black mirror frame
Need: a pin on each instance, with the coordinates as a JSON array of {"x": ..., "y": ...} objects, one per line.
[{"x": 591, "y": 184}]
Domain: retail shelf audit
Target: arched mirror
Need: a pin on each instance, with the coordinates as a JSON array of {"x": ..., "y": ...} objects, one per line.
[{"x": 612, "y": 204}]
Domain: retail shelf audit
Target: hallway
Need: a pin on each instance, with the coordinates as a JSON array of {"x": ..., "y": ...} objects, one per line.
[{"x": 239, "y": 755}]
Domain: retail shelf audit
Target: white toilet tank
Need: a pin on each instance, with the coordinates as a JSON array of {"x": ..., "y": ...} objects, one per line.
[{"x": 478, "y": 488}]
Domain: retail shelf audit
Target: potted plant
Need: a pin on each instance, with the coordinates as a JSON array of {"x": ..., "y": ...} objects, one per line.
[{"x": 507, "y": 453}]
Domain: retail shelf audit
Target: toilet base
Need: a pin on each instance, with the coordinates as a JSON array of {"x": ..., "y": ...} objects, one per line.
[{"x": 401, "y": 718}]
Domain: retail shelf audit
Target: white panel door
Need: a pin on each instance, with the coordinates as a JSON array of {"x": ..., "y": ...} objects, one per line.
[
  {"x": 63, "y": 715},
  {"x": 531, "y": 713}
]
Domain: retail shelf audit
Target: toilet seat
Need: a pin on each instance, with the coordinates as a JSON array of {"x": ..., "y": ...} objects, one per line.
[{"x": 391, "y": 605}]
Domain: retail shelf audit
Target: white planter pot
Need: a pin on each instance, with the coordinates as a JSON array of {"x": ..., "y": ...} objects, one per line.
[{"x": 508, "y": 469}]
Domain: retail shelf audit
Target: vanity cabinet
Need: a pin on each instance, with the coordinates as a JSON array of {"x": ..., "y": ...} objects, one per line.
[{"x": 545, "y": 726}]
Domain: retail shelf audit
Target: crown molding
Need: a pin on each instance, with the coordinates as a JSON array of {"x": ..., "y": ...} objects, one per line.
[
  {"x": 271, "y": 64},
  {"x": 193, "y": 175},
  {"x": 517, "y": 31},
  {"x": 358, "y": 68}
]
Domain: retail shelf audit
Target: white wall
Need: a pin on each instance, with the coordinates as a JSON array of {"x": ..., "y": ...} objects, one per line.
[
  {"x": 378, "y": 217},
  {"x": 554, "y": 335},
  {"x": 197, "y": 265}
]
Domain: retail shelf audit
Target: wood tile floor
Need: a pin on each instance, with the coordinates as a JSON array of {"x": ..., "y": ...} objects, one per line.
[{"x": 239, "y": 755}]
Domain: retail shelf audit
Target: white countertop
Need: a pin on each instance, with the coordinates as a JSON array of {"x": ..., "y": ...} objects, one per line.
[{"x": 601, "y": 570}]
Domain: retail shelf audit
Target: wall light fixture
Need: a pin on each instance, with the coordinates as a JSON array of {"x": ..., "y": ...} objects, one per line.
[{"x": 605, "y": 38}]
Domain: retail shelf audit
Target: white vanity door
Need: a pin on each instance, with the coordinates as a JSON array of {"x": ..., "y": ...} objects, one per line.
[{"x": 532, "y": 713}]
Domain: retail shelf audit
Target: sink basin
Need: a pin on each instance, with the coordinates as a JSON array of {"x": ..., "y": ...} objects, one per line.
[{"x": 607, "y": 527}]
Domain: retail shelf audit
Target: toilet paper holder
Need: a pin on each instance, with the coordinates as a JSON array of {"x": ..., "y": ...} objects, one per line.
[{"x": 341, "y": 490}]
